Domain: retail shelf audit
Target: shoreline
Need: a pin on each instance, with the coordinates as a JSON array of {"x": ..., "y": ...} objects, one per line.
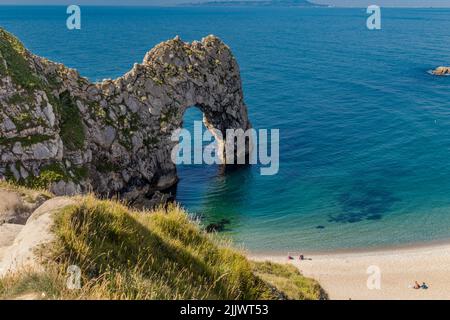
[
  {"x": 344, "y": 274},
  {"x": 352, "y": 251}
]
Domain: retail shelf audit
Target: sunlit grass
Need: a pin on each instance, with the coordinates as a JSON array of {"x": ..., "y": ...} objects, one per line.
[{"x": 126, "y": 254}]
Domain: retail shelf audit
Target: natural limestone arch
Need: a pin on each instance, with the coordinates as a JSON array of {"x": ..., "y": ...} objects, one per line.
[
  {"x": 117, "y": 133},
  {"x": 202, "y": 74}
]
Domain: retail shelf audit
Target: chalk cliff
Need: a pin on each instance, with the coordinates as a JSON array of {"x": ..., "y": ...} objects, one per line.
[{"x": 61, "y": 131}]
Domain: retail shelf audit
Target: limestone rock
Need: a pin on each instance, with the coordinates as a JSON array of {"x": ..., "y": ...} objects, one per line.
[
  {"x": 441, "y": 71},
  {"x": 61, "y": 188}
]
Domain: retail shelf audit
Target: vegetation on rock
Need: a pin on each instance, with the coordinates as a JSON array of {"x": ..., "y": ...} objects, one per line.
[
  {"x": 15, "y": 63},
  {"x": 72, "y": 131},
  {"x": 119, "y": 131}
]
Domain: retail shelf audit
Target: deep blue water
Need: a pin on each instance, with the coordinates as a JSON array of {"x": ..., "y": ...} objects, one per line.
[{"x": 365, "y": 131}]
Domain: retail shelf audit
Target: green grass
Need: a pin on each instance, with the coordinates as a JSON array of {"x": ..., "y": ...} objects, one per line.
[
  {"x": 16, "y": 99},
  {"x": 126, "y": 254},
  {"x": 33, "y": 285},
  {"x": 289, "y": 280},
  {"x": 72, "y": 130},
  {"x": 80, "y": 173},
  {"x": 48, "y": 175},
  {"x": 14, "y": 53}
]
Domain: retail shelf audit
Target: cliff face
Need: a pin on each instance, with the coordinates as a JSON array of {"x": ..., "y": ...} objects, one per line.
[{"x": 57, "y": 129}]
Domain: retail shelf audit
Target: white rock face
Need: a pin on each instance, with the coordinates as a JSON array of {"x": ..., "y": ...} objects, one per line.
[
  {"x": 117, "y": 132},
  {"x": 48, "y": 111}
]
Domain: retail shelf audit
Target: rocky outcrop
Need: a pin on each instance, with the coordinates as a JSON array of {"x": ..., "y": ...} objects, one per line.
[
  {"x": 27, "y": 249},
  {"x": 58, "y": 129},
  {"x": 441, "y": 71}
]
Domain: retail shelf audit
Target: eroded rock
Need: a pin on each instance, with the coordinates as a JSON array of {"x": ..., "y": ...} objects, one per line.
[
  {"x": 111, "y": 137},
  {"x": 441, "y": 71}
]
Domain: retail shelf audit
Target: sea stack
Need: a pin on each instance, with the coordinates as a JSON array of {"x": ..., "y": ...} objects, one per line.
[{"x": 441, "y": 71}]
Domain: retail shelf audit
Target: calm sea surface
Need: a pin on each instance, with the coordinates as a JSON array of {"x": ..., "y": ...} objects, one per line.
[{"x": 365, "y": 131}]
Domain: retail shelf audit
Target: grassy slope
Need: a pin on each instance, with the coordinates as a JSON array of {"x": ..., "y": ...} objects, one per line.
[
  {"x": 290, "y": 281},
  {"x": 124, "y": 254}
]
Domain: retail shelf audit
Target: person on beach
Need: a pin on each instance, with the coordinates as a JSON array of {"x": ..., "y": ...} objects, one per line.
[
  {"x": 424, "y": 286},
  {"x": 416, "y": 285}
]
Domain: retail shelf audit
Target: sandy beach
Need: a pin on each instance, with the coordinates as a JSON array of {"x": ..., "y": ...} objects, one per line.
[{"x": 345, "y": 275}]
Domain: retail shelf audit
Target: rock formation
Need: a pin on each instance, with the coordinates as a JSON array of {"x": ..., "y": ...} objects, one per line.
[
  {"x": 58, "y": 129},
  {"x": 441, "y": 71}
]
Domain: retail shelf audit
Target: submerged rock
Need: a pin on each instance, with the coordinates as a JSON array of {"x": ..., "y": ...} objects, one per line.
[
  {"x": 217, "y": 227},
  {"x": 59, "y": 131}
]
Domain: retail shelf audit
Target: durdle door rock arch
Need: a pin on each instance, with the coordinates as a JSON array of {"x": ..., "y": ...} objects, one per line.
[{"x": 112, "y": 137}]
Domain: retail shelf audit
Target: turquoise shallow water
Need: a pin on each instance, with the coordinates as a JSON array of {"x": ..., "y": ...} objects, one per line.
[{"x": 365, "y": 131}]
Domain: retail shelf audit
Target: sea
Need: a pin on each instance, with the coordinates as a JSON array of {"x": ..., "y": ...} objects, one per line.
[{"x": 364, "y": 128}]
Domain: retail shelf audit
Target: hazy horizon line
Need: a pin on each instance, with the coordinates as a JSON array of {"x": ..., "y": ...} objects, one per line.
[{"x": 199, "y": 5}]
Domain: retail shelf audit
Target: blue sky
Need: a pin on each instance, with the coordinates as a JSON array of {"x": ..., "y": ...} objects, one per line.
[{"x": 351, "y": 3}]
